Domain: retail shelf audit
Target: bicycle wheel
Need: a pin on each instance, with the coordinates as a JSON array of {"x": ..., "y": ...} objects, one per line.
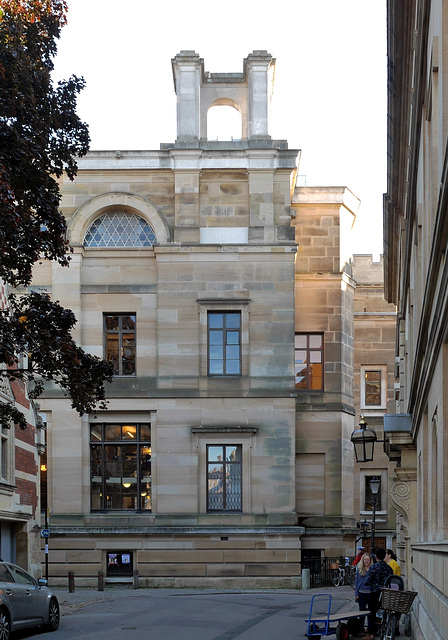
[
  {"x": 388, "y": 631},
  {"x": 336, "y": 578},
  {"x": 350, "y": 576}
]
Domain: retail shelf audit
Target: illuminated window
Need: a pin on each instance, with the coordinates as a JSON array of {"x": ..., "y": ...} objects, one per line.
[
  {"x": 224, "y": 478},
  {"x": 120, "y": 466},
  {"x": 309, "y": 361},
  {"x": 373, "y": 387}
]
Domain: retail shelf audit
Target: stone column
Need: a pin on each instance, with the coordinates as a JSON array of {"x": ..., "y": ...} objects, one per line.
[
  {"x": 187, "y": 71},
  {"x": 260, "y": 81},
  {"x": 66, "y": 289}
]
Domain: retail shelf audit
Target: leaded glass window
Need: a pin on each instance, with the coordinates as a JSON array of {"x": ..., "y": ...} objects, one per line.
[
  {"x": 224, "y": 477},
  {"x": 120, "y": 229}
]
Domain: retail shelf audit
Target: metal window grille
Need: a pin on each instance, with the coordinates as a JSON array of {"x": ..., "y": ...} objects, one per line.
[{"x": 224, "y": 477}]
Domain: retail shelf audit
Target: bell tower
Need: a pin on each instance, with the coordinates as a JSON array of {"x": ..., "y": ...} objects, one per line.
[{"x": 197, "y": 91}]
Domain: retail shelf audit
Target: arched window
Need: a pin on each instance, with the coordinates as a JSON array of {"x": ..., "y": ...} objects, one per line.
[{"x": 120, "y": 229}]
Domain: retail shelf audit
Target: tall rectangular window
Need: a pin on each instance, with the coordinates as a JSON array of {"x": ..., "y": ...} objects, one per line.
[
  {"x": 120, "y": 466},
  {"x": 119, "y": 338},
  {"x": 369, "y": 498},
  {"x": 224, "y": 343},
  {"x": 373, "y": 386},
  {"x": 309, "y": 362},
  {"x": 372, "y": 381},
  {"x": 4, "y": 454},
  {"x": 224, "y": 477}
]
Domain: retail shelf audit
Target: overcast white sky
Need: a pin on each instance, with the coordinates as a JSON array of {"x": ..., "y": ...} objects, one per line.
[{"x": 329, "y": 92}]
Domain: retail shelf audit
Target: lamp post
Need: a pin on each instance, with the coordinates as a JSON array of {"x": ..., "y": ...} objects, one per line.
[
  {"x": 374, "y": 484},
  {"x": 363, "y": 440}
]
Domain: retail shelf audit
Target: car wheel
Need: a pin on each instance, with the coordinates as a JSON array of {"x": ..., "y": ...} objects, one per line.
[
  {"x": 5, "y": 625},
  {"x": 53, "y": 616}
]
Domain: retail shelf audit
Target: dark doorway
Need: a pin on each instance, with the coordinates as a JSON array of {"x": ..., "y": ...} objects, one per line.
[
  {"x": 119, "y": 564},
  {"x": 312, "y": 560}
]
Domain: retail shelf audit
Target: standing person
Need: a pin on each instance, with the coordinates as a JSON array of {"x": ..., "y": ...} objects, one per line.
[
  {"x": 375, "y": 580},
  {"x": 359, "y": 555},
  {"x": 362, "y": 592},
  {"x": 391, "y": 560}
]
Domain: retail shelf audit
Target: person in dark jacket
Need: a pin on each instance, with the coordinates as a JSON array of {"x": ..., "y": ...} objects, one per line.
[{"x": 375, "y": 578}]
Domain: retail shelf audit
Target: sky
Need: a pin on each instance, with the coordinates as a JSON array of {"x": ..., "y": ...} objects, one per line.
[{"x": 329, "y": 92}]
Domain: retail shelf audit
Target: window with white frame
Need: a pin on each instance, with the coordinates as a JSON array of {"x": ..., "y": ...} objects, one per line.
[
  {"x": 5, "y": 454},
  {"x": 373, "y": 387}
]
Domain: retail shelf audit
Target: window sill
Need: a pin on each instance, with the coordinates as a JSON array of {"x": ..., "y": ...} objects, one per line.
[{"x": 6, "y": 488}]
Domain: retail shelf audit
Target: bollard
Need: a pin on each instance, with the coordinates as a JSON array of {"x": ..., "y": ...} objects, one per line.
[
  {"x": 71, "y": 582},
  {"x": 100, "y": 580},
  {"x": 305, "y": 578},
  {"x": 135, "y": 582}
]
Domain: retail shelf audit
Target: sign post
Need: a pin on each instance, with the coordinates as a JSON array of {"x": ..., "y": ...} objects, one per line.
[{"x": 45, "y": 533}]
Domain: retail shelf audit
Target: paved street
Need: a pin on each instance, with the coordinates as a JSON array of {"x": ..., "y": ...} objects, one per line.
[{"x": 167, "y": 614}]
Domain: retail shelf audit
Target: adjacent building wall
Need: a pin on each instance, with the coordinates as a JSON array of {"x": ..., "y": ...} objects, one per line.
[{"x": 416, "y": 232}]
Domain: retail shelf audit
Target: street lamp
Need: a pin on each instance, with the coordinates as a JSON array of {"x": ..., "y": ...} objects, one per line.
[
  {"x": 374, "y": 484},
  {"x": 363, "y": 440}
]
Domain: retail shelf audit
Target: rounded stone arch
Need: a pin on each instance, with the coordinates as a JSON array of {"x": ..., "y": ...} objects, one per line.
[
  {"x": 89, "y": 211},
  {"x": 226, "y": 102}
]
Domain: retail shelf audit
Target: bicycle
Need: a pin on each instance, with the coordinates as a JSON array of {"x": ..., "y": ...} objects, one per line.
[
  {"x": 393, "y": 603},
  {"x": 342, "y": 575}
]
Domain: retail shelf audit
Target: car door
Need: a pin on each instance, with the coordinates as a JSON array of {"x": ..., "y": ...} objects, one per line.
[{"x": 27, "y": 600}]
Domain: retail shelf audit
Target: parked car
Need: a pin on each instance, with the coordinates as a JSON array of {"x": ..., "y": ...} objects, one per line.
[{"x": 25, "y": 602}]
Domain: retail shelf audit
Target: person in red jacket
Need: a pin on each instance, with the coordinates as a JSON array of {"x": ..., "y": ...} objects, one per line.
[{"x": 360, "y": 551}]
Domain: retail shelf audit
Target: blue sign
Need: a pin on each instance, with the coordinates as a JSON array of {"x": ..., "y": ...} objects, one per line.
[{"x": 45, "y": 533}]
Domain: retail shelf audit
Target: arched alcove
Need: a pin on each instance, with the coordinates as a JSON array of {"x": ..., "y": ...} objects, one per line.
[{"x": 224, "y": 121}]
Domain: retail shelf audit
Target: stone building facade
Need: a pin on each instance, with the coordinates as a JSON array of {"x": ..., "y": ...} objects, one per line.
[
  {"x": 20, "y": 459},
  {"x": 374, "y": 322},
  {"x": 350, "y": 347},
  {"x": 225, "y": 297},
  {"x": 416, "y": 232},
  {"x": 183, "y": 276}
]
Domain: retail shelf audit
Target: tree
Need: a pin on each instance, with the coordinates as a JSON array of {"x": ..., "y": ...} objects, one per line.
[{"x": 40, "y": 138}]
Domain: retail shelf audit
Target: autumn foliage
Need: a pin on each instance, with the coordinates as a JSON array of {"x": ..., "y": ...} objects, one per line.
[{"x": 40, "y": 138}]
